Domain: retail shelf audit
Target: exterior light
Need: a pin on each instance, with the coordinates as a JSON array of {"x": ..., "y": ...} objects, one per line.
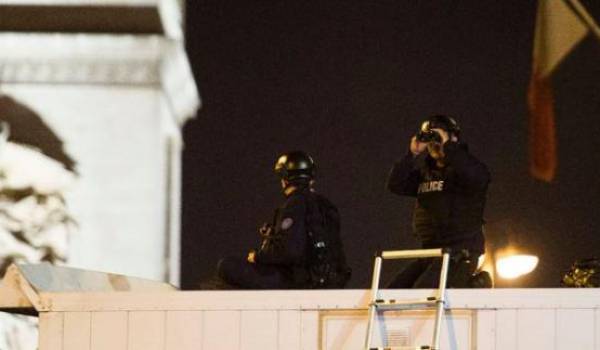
[{"x": 513, "y": 266}]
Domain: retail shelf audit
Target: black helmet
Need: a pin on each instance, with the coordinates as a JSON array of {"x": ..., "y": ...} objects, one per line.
[
  {"x": 295, "y": 165},
  {"x": 437, "y": 122}
]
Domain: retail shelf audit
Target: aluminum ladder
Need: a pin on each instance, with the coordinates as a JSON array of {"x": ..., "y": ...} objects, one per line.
[{"x": 438, "y": 302}]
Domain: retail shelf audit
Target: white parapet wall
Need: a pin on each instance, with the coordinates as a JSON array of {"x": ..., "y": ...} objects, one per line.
[{"x": 154, "y": 317}]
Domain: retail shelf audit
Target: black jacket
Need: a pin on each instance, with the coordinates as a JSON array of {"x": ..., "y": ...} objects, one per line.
[
  {"x": 287, "y": 243},
  {"x": 450, "y": 200}
]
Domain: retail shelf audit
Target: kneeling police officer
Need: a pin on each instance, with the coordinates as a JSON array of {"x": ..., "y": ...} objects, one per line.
[{"x": 302, "y": 247}]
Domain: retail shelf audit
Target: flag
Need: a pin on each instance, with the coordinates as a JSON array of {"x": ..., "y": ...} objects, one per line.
[{"x": 558, "y": 30}]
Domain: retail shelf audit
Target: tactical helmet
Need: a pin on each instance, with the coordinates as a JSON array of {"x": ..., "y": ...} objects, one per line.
[
  {"x": 437, "y": 122},
  {"x": 295, "y": 165}
]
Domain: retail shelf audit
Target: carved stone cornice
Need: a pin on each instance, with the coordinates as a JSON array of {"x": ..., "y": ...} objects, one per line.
[
  {"x": 80, "y": 59},
  {"x": 89, "y": 59}
]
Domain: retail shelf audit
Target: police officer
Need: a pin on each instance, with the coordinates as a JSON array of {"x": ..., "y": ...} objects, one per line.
[
  {"x": 283, "y": 260},
  {"x": 450, "y": 187}
]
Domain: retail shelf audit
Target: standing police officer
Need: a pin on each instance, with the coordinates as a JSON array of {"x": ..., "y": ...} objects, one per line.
[
  {"x": 450, "y": 187},
  {"x": 301, "y": 248}
]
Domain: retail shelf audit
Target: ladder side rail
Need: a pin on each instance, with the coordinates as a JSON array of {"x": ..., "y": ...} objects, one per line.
[
  {"x": 372, "y": 303},
  {"x": 441, "y": 301}
]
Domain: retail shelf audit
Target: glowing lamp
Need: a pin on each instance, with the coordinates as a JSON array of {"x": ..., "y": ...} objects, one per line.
[{"x": 513, "y": 266}]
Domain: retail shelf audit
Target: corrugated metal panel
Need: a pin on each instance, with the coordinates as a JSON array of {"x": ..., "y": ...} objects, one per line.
[
  {"x": 289, "y": 336},
  {"x": 597, "y": 327},
  {"x": 484, "y": 335},
  {"x": 575, "y": 329},
  {"x": 310, "y": 330},
  {"x": 506, "y": 330},
  {"x": 184, "y": 330},
  {"x": 536, "y": 329},
  {"x": 221, "y": 330},
  {"x": 51, "y": 331},
  {"x": 146, "y": 330},
  {"x": 109, "y": 330},
  {"x": 77, "y": 330},
  {"x": 259, "y": 330},
  {"x": 342, "y": 329}
]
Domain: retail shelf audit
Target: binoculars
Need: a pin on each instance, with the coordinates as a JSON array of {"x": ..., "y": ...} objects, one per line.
[{"x": 428, "y": 136}]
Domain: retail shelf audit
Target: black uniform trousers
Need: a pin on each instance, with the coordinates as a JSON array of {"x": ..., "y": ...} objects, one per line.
[
  {"x": 239, "y": 273},
  {"x": 425, "y": 273}
]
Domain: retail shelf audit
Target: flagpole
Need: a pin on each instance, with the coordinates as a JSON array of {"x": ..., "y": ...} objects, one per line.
[{"x": 585, "y": 16}]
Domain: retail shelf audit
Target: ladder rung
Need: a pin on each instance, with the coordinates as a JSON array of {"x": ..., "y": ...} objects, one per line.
[
  {"x": 403, "y": 304},
  {"x": 424, "y": 347},
  {"x": 412, "y": 254}
]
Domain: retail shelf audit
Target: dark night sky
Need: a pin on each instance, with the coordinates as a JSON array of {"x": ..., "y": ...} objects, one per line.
[{"x": 349, "y": 82}]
